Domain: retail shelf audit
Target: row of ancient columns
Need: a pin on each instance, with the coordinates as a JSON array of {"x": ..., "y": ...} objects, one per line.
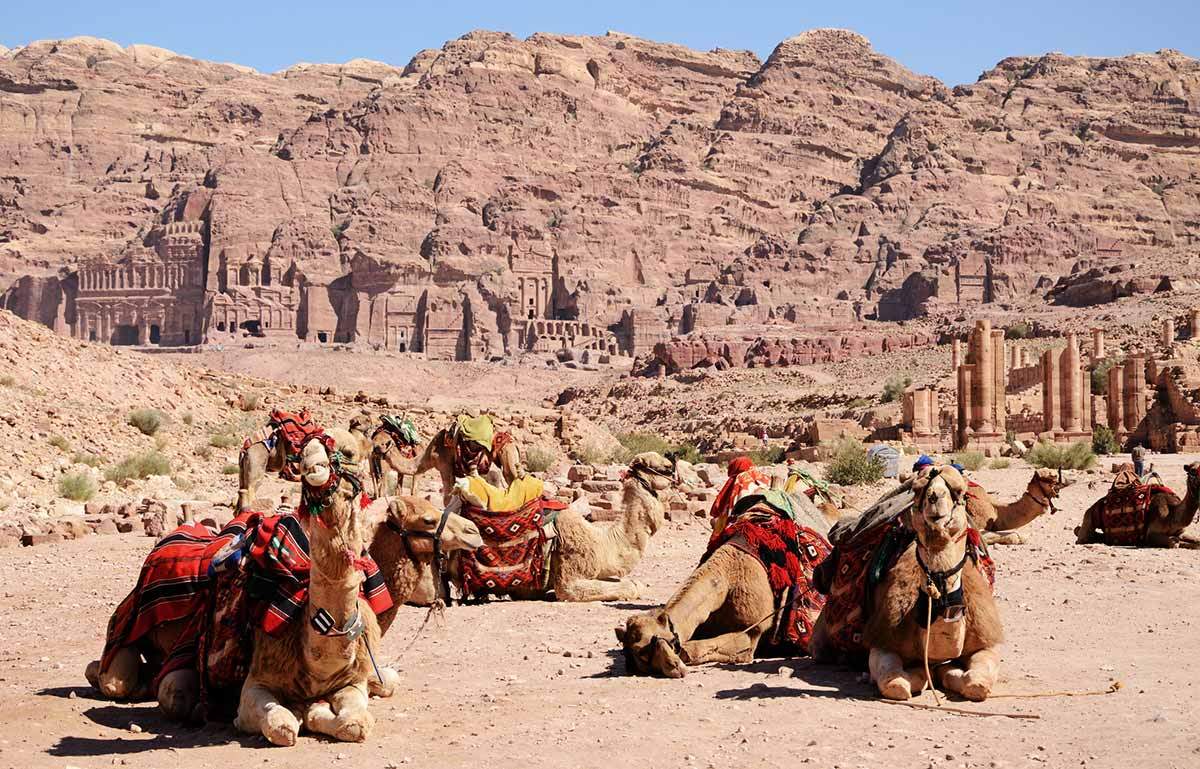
[
  {"x": 920, "y": 412},
  {"x": 981, "y": 387},
  {"x": 1066, "y": 391},
  {"x": 1127, "y": 395}
]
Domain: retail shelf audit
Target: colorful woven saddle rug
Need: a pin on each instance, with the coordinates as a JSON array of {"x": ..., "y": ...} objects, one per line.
[
  {"x": 859, "y": 562},
  {"x": 763, "y": 526},
  {"x": 1125, "y": 510},
  {"x": 252, "y": 574},
  {"x": 403, "y": 432},
  {"x": 517, "y": 526},
  {"x": 294, "y": 430}
]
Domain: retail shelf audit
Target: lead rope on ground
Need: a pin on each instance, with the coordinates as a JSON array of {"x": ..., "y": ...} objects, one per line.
[{"x": 930, "y": 589}]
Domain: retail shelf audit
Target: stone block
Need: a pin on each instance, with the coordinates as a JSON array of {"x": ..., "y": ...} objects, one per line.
[{"x": 30, "y": 540}]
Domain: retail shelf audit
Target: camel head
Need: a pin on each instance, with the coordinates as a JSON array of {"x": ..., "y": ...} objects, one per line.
[
  {"x": 651, "y": 645},
  {"x": 1193, "y": 478},
  {"x": 331, "y": 493},
  {"x": 421, "y": 520},
  {"x": 653, "y": 471},
  {"x": 938, "y": 514},
  {"x": 1044, "y": 487},
  {"x": 362, "y": 423}
]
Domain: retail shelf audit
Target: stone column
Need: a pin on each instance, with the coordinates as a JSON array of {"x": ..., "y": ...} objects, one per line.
[
  {"x": 1135, "y": 391},
  {"x": 1085, "y": 388},
  {"x": 965, "y": 406},
  {"x": 1051, "y": 393},
  {"x": 999, "y": 383},
  {"x": 1116, "y": 399},
  {"x": 983, "y": 378},
  {"x": 1168, "y": 332},
  {"x": 1194, "y": 318},
  {"x": 955, "y": 355},
  {"x": 1097, "y": 345},
  {"x": 1072, "y": 400}
]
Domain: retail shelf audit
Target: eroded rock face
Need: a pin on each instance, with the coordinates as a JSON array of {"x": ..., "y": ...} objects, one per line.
[{"x": 643, "y": 189}]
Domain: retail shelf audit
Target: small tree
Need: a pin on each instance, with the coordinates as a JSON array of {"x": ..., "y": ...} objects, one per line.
[
  {"x": 1018, "y": 330},
  {"x": 851, "y": 465},
  {"x": 1104, "y": 442},
  {"x": 1100, "y": 376},
  {"x": 895, "y": 387}
]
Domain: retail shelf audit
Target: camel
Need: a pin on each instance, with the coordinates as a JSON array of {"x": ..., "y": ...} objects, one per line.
[
  {"x": 1166, "y": 517},
  {"x": 255, "y": 461},
  {"x": 403, "y": 545},
  {"x": 590, "y": 561},
  {"x": 315, "y": 672},
  {"x": 718, "y": 614},
  {"x": 998, "y": 521},
  {"x": 266, "y": 451},
  {"x": 441, "y": 453},
  {"x": 939, "y": 576}
]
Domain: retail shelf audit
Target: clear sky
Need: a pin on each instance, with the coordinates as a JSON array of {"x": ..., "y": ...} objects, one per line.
[{"x": 952, "y": 40}]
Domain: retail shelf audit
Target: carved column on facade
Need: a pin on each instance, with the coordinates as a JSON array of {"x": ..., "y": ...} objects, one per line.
[
  {"x": 1097, "y": 344},
  {"x": 1135, "y": 391},
  {"x": 1072, "y": 398},
  {"x": 999, "y": 382},
  {"x": 955, "y": 355},
  {"x": 1051, "y": 393},
  {"x": 965, "y": 405},
  {"x": 1116, "y": 400}
]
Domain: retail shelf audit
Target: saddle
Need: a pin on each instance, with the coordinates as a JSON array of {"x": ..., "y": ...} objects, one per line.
[
  {"x": 403, "y": 432},
  {"x": 519, "y": 536},
  {"x": 294, "y": 430},
  {"x": 1125, "y": 510}
]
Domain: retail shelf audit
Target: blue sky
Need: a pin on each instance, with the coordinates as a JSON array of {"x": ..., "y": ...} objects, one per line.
[{"x": 954, "y": 41}]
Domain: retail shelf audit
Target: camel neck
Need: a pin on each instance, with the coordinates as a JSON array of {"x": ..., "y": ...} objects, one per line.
[
  {"x": 334, "y": 581},
  {"x": 400, "y": 566},
  {"x": 1019, "y": 513},
  {"x": 639, "y": 523},
  {"x": 943, "y": 555}
]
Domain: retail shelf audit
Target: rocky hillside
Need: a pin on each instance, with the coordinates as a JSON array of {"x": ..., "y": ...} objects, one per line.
[{"x": 828, "y": 182}]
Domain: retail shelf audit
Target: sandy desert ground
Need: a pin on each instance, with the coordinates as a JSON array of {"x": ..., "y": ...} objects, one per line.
[{"x": 542, "y": 684}]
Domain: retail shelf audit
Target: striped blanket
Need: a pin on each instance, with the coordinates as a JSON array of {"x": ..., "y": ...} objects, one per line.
[{"x": 1125, "y": 512}]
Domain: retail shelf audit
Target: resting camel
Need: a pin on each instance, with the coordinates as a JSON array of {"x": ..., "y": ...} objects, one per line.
[
  {"x": 405, "y": 532},
  {"x": 440, "y": 454},
  {"x": 998, "y": 521},
  {"x": 1165, "y": 518},
  {"x": 254, "y": 462},
  {"x": 925, "y": 582},
  {"x": 718, "y": 614}
]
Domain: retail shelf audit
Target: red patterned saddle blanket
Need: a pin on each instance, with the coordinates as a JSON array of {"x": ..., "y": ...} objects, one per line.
[
  {"x": 294, "y": 430},
  {"x": 516, "y": 552},
  {"x": 1125, "y": 512},
  {"x": 790, "y": 554}
]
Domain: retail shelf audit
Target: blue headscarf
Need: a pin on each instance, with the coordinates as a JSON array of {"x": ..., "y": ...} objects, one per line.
[{"x": 922, "y": 461}]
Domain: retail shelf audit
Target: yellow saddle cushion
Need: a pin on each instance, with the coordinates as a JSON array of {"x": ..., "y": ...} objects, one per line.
[{"x": 475, "y": 491}]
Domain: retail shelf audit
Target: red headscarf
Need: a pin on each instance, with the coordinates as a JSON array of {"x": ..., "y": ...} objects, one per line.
[{"x": 724, "y": 500}]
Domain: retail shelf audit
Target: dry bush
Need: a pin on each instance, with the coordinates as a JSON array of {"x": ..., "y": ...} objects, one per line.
[
  {"x": 970, "y": 460},
  {"x": 851, "y": 465},
  {"x": 148, "y": 421},
  {"x": 1077, "y": 456},
  {"x": 229, "y": 469},
  {"x": 87, "y": 458},
  {"x": 223, "y": 440},
  {"x": 79, "y": 487},
  {"x": 141, "y": 465},
  {"x": 539, "y": 459},
  {"x": 1000, "y": 464},
  {"x": 60, "y": 443}
]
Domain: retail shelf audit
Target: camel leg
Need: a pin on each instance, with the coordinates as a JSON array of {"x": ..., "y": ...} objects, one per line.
[
  {"x": 259, "y": 712},
  {"x": 251, "y": 469},
  {"x": 121, "y": 680},
  {"x": 1085, "y": 533},
  {"x": 1187, "y": 541},
  {"x": 579, "y": 590},
  {"x": 179, "y": 694},
  {"x": 386, "y": 687},
  {"x": 1002, "y": 538},
  {"x": 973, "y": 681},
  {"x": 730, "y": 647},
  {"x": 819, "y": 646},
  {"x": 344, "y": 717},
  {"x": 893, "y": 680}
]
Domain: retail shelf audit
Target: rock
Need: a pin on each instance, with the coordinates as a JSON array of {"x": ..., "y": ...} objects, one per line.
[
  {"x": 41, "y": 539},
  {"x": 157, "y": 520},
  {"x": 71, "y": 527}
]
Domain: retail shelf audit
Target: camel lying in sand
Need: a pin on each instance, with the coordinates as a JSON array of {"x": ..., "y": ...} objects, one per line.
[
  {"x": 590, "y": 561},
  {"x": 941, "y": 574},
  {"x": 721, "y": 611},
  {"x": 409, "y": 536},
  {"x": 1161, "y": 523},
  {"x": 998, "y": 521}
]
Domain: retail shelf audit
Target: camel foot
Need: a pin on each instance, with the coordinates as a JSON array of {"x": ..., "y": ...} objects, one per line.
[
  {"x": 92, "y": 674},
  {"x": 120, "y": 680},
  {"x": 353, "y": 727},
  {"x": 179, "y": 694},
  {"x": 1003, "y": 538},
  {"x": 386, "y": 687},
  {"x": 896, "y": 688},
  {"x": 969, "y": 685},
  {"x": 281, "y": 727}
]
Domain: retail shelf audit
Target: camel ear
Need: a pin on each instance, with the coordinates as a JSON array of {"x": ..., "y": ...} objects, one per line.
[{"x": 620, "y": 631}]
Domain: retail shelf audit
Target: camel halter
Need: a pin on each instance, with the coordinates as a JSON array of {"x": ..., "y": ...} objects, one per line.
[
  {"x": 635, "y": 472},
  {"x": 1047, "y": 503},
  {"x": 440, "y": 576}
]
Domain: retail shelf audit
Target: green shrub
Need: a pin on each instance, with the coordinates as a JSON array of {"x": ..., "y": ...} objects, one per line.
[
  {"x": 224, "y": 440},
  {"x": 851, "y": 465},
  {"x": 1100, "y": 376},
  {"x": 60, "y": 443},
  {"x": 1019, "y": 330},
  {"x": 147, "y": 420},
  {"x": 1104, "y": 442},
  {"x": 86, "y": 458},
  {"x": 141, "y": 465},
  {"x": 895, "y": 387},
  {"x": 593, "y": 453},
  {"x": 638, "y": 443},
  {"x": 539, "y": 459},
  {"x": 8, "y": 381},
  {"x": 161, "y": 441},
  {"x": 77, "y": 486},
  {"x": 999, "y": 464},
  {"x": 183, "y": 484},
  {"x": 970, "y": 460},
  {"x": 1077, "y": 456},
  {"x": 229, "y": 469},
  {"x": 771, "y": 455}
]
